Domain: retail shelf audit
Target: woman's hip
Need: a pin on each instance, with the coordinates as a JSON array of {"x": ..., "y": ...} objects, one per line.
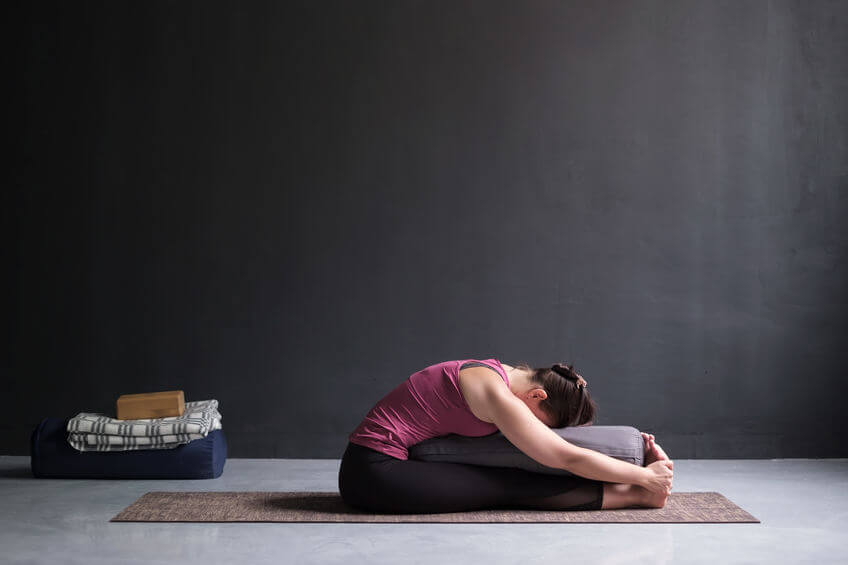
[{"x": 360, "y": 470}]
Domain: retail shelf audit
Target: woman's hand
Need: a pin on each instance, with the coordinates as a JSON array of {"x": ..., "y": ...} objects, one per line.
[{"x": 658, "y": 476}]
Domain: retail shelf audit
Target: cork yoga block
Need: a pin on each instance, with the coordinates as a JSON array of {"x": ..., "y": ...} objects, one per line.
[{"x": 150, "y": 405}]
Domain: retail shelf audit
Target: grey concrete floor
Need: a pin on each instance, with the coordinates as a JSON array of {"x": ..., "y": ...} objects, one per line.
[{"x": 802, "y": 505}]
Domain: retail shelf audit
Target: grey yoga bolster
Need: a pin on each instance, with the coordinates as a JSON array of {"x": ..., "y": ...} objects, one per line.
[{"x": 494, "y": 450}]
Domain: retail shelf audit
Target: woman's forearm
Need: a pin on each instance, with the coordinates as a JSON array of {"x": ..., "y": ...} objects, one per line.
[{"x": 595, "y": 465}]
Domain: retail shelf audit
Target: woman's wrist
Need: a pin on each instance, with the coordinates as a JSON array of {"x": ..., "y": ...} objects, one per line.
[{"x": 641, "y": 476}]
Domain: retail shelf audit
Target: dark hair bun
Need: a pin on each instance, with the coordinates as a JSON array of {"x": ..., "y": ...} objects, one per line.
[
  {"x": 564, "y": 370},
  {"x": 569, "y": 373}
]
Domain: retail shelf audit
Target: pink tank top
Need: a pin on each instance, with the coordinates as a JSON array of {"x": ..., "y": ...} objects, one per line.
[{"x": 429, "y": 403}]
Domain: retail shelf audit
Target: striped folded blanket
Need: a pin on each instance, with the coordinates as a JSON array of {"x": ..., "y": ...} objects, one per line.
[{"x": 97, "y": 432}]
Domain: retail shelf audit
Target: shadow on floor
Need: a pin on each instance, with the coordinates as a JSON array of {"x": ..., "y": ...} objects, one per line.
[{"x": 22, "y": 472}]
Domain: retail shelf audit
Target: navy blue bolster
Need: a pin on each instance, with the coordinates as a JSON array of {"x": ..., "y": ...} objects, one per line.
[{"x": 52, "y": 457}]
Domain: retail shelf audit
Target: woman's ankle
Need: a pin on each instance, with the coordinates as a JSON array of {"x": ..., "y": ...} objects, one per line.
[{"x": 621, "y": 495}]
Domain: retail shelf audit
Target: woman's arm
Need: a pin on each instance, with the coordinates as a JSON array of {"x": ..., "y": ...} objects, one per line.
[{"x": 529, "y": 434}]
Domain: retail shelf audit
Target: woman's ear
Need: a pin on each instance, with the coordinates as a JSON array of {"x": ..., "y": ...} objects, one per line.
[{"x": 539, "y": 393}]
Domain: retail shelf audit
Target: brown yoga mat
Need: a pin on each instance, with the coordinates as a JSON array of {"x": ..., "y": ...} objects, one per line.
[{"x": 250, "y": 506}]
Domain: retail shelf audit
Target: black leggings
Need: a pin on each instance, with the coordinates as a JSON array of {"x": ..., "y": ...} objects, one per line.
[{"x": 375, "y": 482}]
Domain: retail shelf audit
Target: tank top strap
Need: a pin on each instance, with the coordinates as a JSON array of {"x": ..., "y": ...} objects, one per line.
[{"x": 493, "y": 364}]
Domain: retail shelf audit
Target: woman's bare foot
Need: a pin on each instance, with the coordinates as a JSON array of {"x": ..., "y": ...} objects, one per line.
[
  {"x": 653, "y": 499},
  {"x": 659, "y": 451},
  {"x": 653, "y": 451},
  {"x": 620, "y": 495}
]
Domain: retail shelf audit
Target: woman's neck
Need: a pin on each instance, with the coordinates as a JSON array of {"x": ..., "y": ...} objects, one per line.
[{"x": 519, "y": 379}]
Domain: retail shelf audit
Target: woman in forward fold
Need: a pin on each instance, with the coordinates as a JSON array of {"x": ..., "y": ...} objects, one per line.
[{"x": 477, "y": 397}]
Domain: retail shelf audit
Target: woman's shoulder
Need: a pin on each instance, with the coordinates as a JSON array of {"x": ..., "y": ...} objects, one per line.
[{"x": 474, "y": 385}]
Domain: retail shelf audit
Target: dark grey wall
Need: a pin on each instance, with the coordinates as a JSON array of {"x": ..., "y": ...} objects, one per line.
[{"x": 292, "y": 207}]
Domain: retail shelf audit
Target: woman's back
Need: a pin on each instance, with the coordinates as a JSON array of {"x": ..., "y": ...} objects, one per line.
[{"x": 427, "y": 404}]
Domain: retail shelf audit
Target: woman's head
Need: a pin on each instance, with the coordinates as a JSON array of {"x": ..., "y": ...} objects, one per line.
[{"x": 568, "y": 402}]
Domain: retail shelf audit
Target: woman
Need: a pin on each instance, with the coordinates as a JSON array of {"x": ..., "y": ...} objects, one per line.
[{"x": 477, "y": 397}]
